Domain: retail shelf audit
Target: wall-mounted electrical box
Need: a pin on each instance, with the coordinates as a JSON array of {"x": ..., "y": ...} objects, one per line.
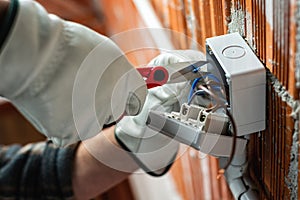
[{"x": 244, "y": 78}]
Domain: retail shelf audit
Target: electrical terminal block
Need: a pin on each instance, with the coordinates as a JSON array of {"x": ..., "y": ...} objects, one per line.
[
  {"x": 199, "y": 117},
  {"x": 196, "y": 127}
]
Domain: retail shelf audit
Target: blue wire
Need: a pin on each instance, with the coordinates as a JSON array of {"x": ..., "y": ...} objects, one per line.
[
  {"x": 211, "y": 76},
  {"x": 193, "y": 87},
  {"x": 198, "y": 92},
  {"x": 196, "y": 69}
]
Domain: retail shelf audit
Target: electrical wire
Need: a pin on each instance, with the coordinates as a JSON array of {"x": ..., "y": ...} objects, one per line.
[
  {"x": 209, "y": 92},
  {"x": 194, "y": 84},
  {"x": 196, "y": 69},
  {"x": 234, "y": 129},
  {"x": 212, "y": 84},
  {"x": 234, "y": 134},
  {"x": 233, "y": 124},
  {"x": 213, "y": 77},
  {"x": 198, "y": 92},
  {"x": 202, "y": 91}
]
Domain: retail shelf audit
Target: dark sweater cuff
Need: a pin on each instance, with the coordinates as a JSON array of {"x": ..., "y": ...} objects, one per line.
[
  {"x": 57, "y": 171},
  {"x": 9, "y": 19}
]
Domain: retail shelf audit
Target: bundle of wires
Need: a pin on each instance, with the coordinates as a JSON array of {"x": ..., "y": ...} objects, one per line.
[
  {"x": 192, "y": 92},
  {"x": 202, "y": 90}
]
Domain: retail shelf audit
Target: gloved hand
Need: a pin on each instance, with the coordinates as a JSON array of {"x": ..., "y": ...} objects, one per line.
[
  {"x": 153, "y": 151},
  {"x": 53, "y": 70}
]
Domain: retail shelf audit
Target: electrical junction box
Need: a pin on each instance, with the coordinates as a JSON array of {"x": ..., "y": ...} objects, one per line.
[{"x": 244, "y": 77}]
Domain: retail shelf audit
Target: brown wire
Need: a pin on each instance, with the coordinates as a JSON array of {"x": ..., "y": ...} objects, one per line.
[{"x": 234, "y": 128}]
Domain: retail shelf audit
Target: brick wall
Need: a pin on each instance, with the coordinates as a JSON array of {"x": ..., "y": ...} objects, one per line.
[{"x": 270, "y": 28}]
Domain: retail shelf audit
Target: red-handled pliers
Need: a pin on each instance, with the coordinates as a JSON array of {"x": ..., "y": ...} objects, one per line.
[
  {"x": 154, "y": 76},
  {"x": 181, "y": 71}
]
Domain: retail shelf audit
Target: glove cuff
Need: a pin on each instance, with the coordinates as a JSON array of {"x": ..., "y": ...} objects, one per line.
[{"x": 131, "y": 144}]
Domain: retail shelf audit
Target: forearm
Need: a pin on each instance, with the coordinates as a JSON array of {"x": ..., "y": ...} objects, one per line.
[
  {"x": 100, "y": 164},
  {"x": 42, "y": 170}
]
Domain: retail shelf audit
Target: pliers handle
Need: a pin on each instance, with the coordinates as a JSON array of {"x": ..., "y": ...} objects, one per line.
[{"x": 154, "y": 76}]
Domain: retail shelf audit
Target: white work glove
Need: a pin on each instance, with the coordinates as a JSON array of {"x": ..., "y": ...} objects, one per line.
[
  {"x": 51, "y": 70},
  {"x": 153, "y": 151}
]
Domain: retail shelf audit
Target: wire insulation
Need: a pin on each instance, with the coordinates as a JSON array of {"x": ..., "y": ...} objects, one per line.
[{"x": 221, "y": 104}]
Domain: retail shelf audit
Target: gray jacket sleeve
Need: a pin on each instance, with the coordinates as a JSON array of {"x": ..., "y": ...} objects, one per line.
[{"x": 36, "y": 171}]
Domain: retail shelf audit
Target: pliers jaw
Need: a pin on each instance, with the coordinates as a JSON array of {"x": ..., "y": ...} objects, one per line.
[{"x": 187, "y": 71}]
